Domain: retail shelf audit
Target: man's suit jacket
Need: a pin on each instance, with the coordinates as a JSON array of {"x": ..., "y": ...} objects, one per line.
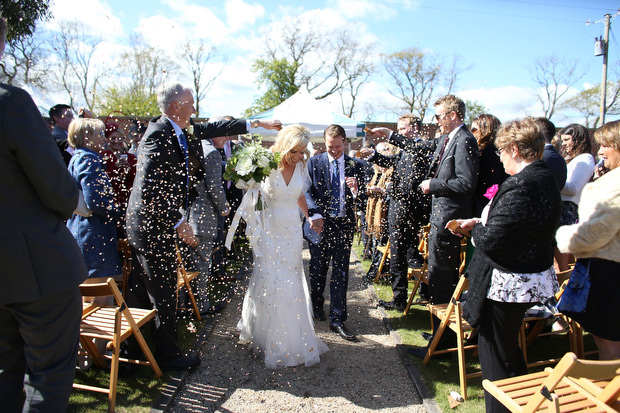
[
  {"x": 318, "y": 196},
  {"x": 60, "y": 135},
  {"x": 457, "y": 174},
  {"x": 160, "y": 188},
  {"x": 211, "y": 199},
  {"x": 233, "y": 194},
  {"x": 38, "y": 255},
  {"x": 556, "y": 164}
]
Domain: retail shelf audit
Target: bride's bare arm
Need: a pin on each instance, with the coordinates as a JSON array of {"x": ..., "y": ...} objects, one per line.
[{"x": 301, "y": 202}]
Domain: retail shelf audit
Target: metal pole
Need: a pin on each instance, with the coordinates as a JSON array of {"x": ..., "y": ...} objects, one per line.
[{"x": 604, "y": 80}]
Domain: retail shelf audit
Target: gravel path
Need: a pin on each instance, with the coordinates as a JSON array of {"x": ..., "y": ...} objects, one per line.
[{"x": 359, "y": 376}]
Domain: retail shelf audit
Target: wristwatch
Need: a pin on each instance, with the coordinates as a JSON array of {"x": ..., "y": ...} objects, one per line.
[{"x": 255, "y": 123}]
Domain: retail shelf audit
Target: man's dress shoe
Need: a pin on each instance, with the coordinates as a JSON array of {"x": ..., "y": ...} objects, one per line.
[
  {"x": 426, "y": 336},
  {"x": 180, "y": 363},
  {"x": 391, "y": 305},
  {"x": 214, "y": 309},
  {"x": 343, "y": 332},
  {"x": 319, "y": 315}
]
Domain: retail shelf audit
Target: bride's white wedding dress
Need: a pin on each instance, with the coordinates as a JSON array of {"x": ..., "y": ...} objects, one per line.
[{"x": 277, "y": 317}]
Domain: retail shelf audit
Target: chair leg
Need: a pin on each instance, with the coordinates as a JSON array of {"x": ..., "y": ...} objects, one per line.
[
  {"x": 385, "y": 254},
  {"x": 116, "y": 348},
  {"x": 192, "y": 298},
  {"x": 414, "y": 290},
  {"x": 461, "y": 352},
  {"x": 147, "y": 352},
  {"x": 436, "y": 337}
]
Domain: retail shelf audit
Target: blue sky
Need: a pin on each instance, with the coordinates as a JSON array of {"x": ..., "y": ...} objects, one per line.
[{"x": 498, "y": 39}]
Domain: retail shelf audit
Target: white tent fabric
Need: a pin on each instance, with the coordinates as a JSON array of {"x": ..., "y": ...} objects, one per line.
[{"x": 304, "y": 109}]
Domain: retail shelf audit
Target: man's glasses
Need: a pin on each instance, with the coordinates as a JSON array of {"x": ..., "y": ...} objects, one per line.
[
  {"x": 499, "y": 152},
  {"x": 439, "y": 116}
]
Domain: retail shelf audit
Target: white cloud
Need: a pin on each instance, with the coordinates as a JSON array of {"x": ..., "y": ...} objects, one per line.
[
  {"x": 355, "y": 9},
  {"x": 506, "y": 102},
  {"x": 93, "y": 13},
  {"x": 240, "y": 14}
]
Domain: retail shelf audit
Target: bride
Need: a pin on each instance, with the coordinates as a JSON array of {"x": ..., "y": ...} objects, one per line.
[{"x": 276, "y": 317}]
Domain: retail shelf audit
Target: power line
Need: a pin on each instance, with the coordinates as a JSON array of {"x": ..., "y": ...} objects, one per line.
[{"x": 555, "y": 5}]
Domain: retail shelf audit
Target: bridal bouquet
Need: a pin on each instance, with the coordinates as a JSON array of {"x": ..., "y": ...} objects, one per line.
[
  {"x": 251, "y": 164},
  {"x": 247, "y": 168}
]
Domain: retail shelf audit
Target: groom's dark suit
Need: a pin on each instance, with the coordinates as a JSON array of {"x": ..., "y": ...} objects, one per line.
[
  {"x": 337, "y": 235},
  {"x": 159, "y": 192}
]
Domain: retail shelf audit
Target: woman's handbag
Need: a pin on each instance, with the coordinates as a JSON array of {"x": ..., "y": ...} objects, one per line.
[{"x": 575, "y": 295}]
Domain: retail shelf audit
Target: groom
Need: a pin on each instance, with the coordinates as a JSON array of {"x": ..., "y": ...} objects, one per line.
[{"x": 337, "y": 180}]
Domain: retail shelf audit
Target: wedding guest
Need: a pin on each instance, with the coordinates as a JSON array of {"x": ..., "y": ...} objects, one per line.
[
  {"x": 96, "y": 235},
  {"x": 595, "y": 242},
  {"x": 121, "y": 168},
  {"x": 408, "y": 209},
  {"x": 576, "y": 147},
  {"x": 136, "y": 132},
  {"x": 491, "y": 172},
  {"x": 512, "y": 267},
  {"x": 209, "y": 204},
  {"x": 61, "y": 116},
  {"x": 551, "y": 157},
  {"x": 40, "y": 262}
]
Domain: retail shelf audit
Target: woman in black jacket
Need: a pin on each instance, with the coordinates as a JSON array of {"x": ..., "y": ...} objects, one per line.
[{"x": 512, "y": 268}]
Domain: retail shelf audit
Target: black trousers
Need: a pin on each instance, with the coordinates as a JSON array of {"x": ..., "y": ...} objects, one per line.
[
  {"x": 153, "y": 285},
  {"x": 38, "y": 352},
  {"x": 404, "y": 225},
  {"x": 335, "y": 246},
  {"x": 498, "y": 345}
]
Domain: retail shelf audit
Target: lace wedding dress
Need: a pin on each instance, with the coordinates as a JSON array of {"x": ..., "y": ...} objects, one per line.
[{"x": 276, "y": 317}]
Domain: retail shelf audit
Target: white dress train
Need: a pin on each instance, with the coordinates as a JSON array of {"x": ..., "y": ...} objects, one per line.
[{"x": 277, "y": 317}]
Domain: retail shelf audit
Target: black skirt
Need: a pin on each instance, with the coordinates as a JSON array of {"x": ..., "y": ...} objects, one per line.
[{"x": 602, "y": 316}]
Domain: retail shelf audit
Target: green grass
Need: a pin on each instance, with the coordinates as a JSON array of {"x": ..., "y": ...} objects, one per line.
[
  {"x": 138, "y": 392},
  {"x": 442, "y": 376}
]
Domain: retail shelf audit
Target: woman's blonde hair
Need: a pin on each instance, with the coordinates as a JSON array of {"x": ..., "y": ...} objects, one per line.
[
  {"x": 291, "y": 137},
  {"x": 525, "y": 134},
  {"x": 609, "y": 135},
  {"x": 82, "y": 128}
]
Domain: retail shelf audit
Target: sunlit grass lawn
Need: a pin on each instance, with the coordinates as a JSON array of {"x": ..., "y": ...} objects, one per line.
[
  {"x": 139, "y": 392},
  {"x": 442, "y": 376}
]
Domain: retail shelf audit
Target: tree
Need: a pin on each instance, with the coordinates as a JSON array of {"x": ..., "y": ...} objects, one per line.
[
  {"x": 474, "y": 109},
  {"x": 197, "y": 57},
  {"x": 129, "y": 102},
  {"x": 415, "y": 76},
  {"x": 79, "y": 73},
  {"x": 588, "y": 101},
  {"x": 279, "y": 77},
  {"x": 23, "y": 62},
  {"x": 306, "y": 54},
  {"x": 555, "y": 76},
  {"x": 22, "y": 16},
  {"x": 143, "y": 68}
]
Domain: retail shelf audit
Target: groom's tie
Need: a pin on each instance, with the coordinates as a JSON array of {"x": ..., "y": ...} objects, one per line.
[{"x": 334, "y": 209}]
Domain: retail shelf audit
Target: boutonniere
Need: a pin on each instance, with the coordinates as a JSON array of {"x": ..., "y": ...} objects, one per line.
[
  {"x": 190, "y": 133},
  {"x": 491, "y": 191}
]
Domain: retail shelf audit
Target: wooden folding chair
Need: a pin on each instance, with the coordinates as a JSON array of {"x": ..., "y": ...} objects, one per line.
[
  {"x": 116, "y": 324},
  {"x": 419, "y": 275},
  {"x": 532, "y": 328},
  {"x": 385, "y": 249},
  {"x": 184, "y": 278},
  {"x": 450, "y": 316},
  {"x": 573, "y": 385}
]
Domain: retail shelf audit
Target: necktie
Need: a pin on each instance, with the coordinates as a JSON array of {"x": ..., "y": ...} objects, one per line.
[
  {"x": 183, "y": 142},
  {"x": 443, "y": 149},
  {"x": 335, "y": 190}
]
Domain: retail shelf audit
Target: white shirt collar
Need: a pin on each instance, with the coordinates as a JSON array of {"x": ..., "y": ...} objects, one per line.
[
  {"x": 177, "y": 128},
  {"x": 454, "y": 131},
  {"x": 331, "y": 159}
]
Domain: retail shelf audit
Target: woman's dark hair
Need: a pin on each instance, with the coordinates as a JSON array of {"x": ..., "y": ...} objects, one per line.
[
  {"x": 487, "y": 125},
  {"x": 581, "y": 140}
]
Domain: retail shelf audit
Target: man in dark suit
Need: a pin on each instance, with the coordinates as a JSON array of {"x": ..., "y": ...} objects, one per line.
[
  {"x": 337, "y": 180},
  {"x": 551, "y": 157},
  {"x": 452, "y": 184},
  {"x": 409, "y": 208},
  {"x": 154, "y": 219},
  {"x": 41, "y": 264}
]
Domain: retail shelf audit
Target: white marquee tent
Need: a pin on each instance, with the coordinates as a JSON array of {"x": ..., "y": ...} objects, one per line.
[{"x": 315, "y": 115}]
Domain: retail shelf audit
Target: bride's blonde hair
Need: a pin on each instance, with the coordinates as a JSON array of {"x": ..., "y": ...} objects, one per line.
[{"x": 291, "y": 137}]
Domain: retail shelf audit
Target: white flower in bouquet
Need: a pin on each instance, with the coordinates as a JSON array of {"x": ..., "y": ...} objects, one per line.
[{"x": 245, "y": 166}]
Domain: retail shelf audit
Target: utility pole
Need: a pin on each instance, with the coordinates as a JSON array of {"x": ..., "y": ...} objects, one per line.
[{"x": 604, "y": 78}]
